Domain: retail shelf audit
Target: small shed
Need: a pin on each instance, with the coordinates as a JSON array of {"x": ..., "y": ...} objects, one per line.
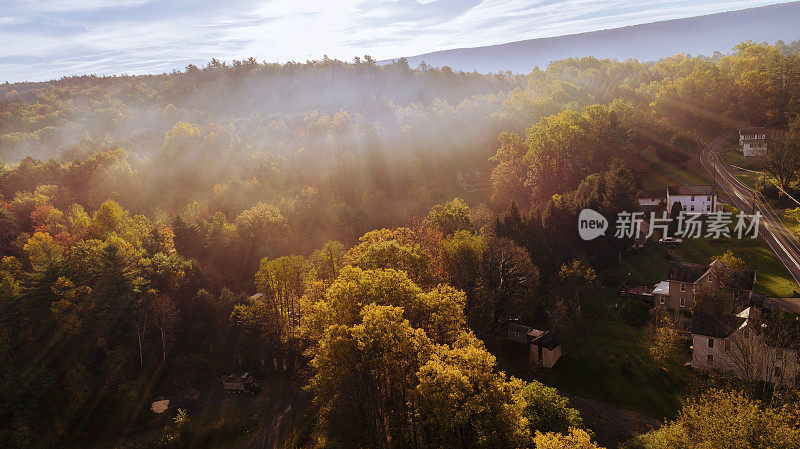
[{"x": 544, "y": 347}]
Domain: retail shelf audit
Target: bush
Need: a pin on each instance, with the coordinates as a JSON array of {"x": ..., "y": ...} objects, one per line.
[{"x": 634, "y": 312}]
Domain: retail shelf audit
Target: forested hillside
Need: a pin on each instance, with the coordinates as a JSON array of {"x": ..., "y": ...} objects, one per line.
[{"x": 138, "y": 214}]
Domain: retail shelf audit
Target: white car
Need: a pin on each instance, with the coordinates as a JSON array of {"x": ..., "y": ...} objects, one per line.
[{"x": 670, "y": 240}]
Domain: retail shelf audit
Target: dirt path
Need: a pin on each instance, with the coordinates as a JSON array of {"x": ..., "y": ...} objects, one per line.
[
  {"x": 611, "y": 425},
  {"x": 283, "y": 415}
]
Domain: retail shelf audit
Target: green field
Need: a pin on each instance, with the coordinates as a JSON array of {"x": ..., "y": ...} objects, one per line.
[
  {"x": 607, "y": 361},
  {"x": 610, "y": 361},
  {"x": 662, "y": 174}
]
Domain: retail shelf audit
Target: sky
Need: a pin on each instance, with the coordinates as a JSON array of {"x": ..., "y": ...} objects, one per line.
[{"x": 47, "y": 39}]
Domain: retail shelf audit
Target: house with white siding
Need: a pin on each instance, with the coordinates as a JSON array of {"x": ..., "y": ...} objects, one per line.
[
  {"x": 650, "y": 200},
  {"x": 755, "y": 344},
  {"x": 694, "y": 199},
  {"x": 685, "y": 281},
  {"x": 753, "y": 141}
]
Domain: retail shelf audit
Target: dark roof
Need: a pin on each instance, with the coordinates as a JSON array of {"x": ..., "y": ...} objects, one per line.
[
  {"x": 753, "y": 130},
  {"x": 652, "y": 193},
  {"x": 779, "y": 328},
  {"x": 713, "y": 325},
  {"x": 549, "y": 340},
  {"x": 744, "y": 279},
  {"x": 691, "y": 190},
  {"x": 789, "y": 305},
  {"x": 685, "y": 272},
  {"x": 518, "y": 327}
]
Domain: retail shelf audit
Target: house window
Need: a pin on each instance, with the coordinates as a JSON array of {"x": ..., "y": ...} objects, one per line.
[
  {"x": 710, "y": 342},
  {"x": 708, "y": 207},
  {"x": 683, "y": 286},
  {"x": 710, "y": 359},
  {"x": 778, "y": 355},
  {"x": 683, "y": 302},
  {"x": 736, "y": 293},
  {"x": 661, "y": 299},
  {"x": 692, "y": 197},
  {"x": 710, "y": 278},
  {"x": 777, "y": 372}
]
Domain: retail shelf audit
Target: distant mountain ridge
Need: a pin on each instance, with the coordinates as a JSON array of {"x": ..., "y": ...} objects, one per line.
[{"x": 701, "y": 35}]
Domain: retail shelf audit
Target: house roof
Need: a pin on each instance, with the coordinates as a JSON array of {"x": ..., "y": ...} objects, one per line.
[
  {"x": 652, "y": 193},
  {"x": 685, "y": 272},
  {"x": 753, "y": 130},
  {"x": 779, "y": 329},
  {"x": 662, "y": 288},
  {"x": 744, "y": 279},
  {"x": 518, "y": 328},
  {"x": 714, "y": 325},
  {"x": 789, "y": 305},
  {"x": 691, "y": 272},
  {"x": 549, "y": 340},
  {"x": 690, "y": 190}
]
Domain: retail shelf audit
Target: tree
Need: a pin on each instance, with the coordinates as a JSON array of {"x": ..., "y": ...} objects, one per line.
[
  {"x": 450, "y": 217},
  {"x": 393, "y": 248},
  {"x": 43, "y": 252},
  {"x": 509, "y": 175},
  {"x": 547, "y": 411},
  {"x": 728, "y": 276},
  {"x": 510, "y": 279},
  {"x": 362, "y": 376},
  {"x": 466, "y": 403},
  {"x": 725, "y": 419},
  {"x": 463, "y": 253},
  {"x": 165, "y": 316},
  {"x": 664, "y": 340},
  {"x": 571, "y": 283},
  {"x": 328, "y": 260},
  {"x": 574, "y": 439},
  {"x": 782, "y": 159}
]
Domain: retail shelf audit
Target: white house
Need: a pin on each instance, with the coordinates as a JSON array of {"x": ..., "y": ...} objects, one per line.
[
  {"x": 753, "y": 141},
  {"x": 745, "y": 346},
  {"x": 698, "y": 199},
  {"x": 652, "y": 199}
]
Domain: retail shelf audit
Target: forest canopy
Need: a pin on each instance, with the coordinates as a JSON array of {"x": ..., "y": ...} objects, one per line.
[{"x": 159, "y": 230}]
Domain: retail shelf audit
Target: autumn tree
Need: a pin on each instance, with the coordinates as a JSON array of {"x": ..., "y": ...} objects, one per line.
[{"x": 725, "y": 419}]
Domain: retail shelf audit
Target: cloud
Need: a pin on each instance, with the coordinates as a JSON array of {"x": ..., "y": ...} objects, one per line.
[{"x": 45, "y": 39}]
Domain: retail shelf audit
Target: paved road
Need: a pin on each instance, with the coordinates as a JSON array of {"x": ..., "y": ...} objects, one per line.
[{"x": 783, "y": 243}]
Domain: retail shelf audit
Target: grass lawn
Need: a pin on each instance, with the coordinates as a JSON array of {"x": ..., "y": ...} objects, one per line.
[
  {"x": 649, "y": 265},
  {"x": 791, "y": 224},
  {"x": 662, "y": 174},
  {"x": 772, "y": 278},
  {"x": 733, "y": 156},
  {"x": 608, "y": 361}
]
